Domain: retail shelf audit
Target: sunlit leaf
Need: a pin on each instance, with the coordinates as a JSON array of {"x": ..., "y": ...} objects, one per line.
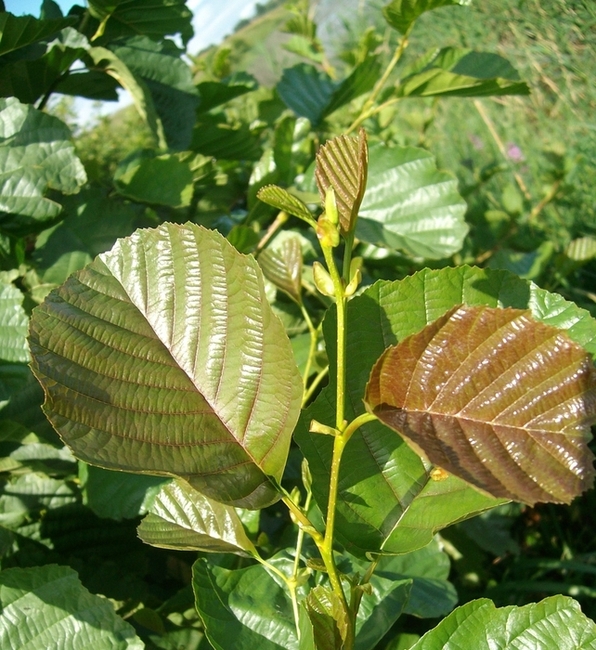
[
  {"x": 401, "y": 14},
  {"x": 555, "y": 622},
  {"x": 389, "y": 498},
  {"x": 283, "y": 200},
  {"x": 36, "y": 154},
  {"x": 188, "y": 374},
  {"x": 183, "y": 519},
  {"x": 461, "y": 72},
  {"x": 13, "y": 325},
  {"x": 283, "y": 267},
  {"x": 42, "y": 607},
  {"x": 496, "y": 398},
  {"x": 342, "y": 163},
  {"x": 410, "y": 205}
]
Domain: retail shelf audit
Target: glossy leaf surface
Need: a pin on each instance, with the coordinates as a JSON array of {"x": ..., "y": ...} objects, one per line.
[
  {"x": 183, "y": 519},
  {"x": 411, "y": 206},
  {"x": 496, "y": 398},
  {"x": 342, "y": 163},
  {"x": 13, "y": 325},
  {"x": 460, "y": 72},
  {"x": 555, "y": 622},
  {"x": 163, "y": 357},
  {"x": 389, "y": 499},
  {"x": 401, "y": 14},
  {"x": 48, "y": 607}
]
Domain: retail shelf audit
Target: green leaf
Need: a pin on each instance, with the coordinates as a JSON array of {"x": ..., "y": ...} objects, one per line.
[
  {"x": 159, "y": 180},
  {"x": 215, "y": 93},
  {"x": 313, "y": 94},
  {"x": 28, "y": 76},
  {"x": 157, "y": 18},
  {"x": 107, "y": 61},
  {"x": 183, "y": 519},
  {"x": 80, "y": 236},
  {"x": 496, "y": 398},
  {"x": 328, "y": 618},
  {"x": 169, "y": 80},
  {"x": 555, "y": 622},
  {"x": 45, "y": 606},
  {"x": 582, "y": 249},
  {"x": 389, "y": 499},
  {"x": 163, "y": 357},
  {"x": 380, "y": 609},
  {"x": 283, "y": 200},
  {"x": 92, "y": 84},
  {"x": 461, "y": 72},
  {"x": 527, "y": 265},
  {"x": 20, "y": 31},
  {"x": 212, "y": 136},
  {"x": 306, "y": 90},
  {"x": 36, "y": 154},
  {"x": 13, "y": 326},
  {"x": 409, "y": 205},
  {"x": 117, "y": 495},
  {"x": 401, "y": 14},
  {"x": 245, "y": 608},
  {"x": 283, "y": 267},
  {"x": 342, "y": 163}
]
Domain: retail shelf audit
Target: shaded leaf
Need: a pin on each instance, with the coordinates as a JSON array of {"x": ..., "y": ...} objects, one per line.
[
  {"x": 283, "y": 200},
  {"x": 183, "y": 519},
  {"x": 92, "y": 84},
  {"x": 555, "y": 622},
  {"x": 156, "y": 18},
  {"x": 32, "y": 75},
  {"x": 160, "y": 180},
  {"x": 313, "y": 94},
  {"x": 306, "y": 90},
  {"x": 188, "y": 375},
  {"x": 215, "y": 93},
  {"x": 496, "y": 398},
  {"x": 328, "y": 618},
  {"x": 169, "y": 80},
  {"x": 582, "y": 249},
  {"x": 212, "y": 136},
  {"x": 39, "y": 603},
  {"x": 19, "y": 31},
  {"x": 139, "y": 92},
  {"x": 244, "y": 608},
  {"x": 36, "y": 154},
  {"x": 117, "y": 495},
  {"x": 342, "y": 163},
  {"x": 401, "y": 14},
  {"x": 411, "y": 206},
  {"x": 388, "y": 499},
  {"x": 283, "y": 267},
  {"x": 461, "y": 72}
]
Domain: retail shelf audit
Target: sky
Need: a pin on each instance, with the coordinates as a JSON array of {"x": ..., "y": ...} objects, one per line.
[{"x": 212, "y": 20}]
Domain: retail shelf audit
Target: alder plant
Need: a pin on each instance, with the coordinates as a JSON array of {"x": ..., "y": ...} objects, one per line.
[
  {"x": 449, "y": 392},
  {"x": 299, "y": 428}
]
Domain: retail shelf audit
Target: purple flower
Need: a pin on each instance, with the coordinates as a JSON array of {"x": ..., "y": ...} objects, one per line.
[{"x": 514, "y": 152}]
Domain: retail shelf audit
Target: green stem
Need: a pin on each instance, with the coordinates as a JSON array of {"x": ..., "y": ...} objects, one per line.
[
  {"x": 315, "y": 382},
  {"x": 314, "y": 339},
  {"x": 370, "y": 102}
]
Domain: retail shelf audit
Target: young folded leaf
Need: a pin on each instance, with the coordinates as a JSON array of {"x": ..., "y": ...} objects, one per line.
[
  {"x": 283, "y": 267},
  {"x": 164, "y": 357},
  {"x": 342, "y": 163},
  {"x": 495, "y": 398}
]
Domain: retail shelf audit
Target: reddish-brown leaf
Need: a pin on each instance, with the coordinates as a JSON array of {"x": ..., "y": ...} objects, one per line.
[
  {"x": 342, "y": 163},
  {"x": 495, "y": 398}
]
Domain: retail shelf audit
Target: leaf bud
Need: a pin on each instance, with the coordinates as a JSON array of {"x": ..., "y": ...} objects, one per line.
[{"x": 323, "y": 281}]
